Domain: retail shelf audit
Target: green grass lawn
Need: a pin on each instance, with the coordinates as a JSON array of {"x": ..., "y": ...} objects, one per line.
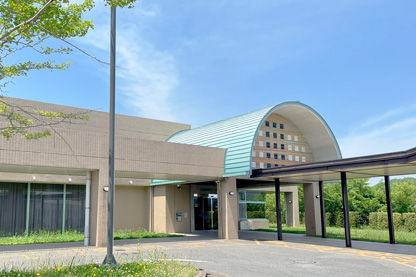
[
  {"x": 71, "y": 236},
  {"x": 364, "y": 234},
  {"x": 153, "y": 267}
]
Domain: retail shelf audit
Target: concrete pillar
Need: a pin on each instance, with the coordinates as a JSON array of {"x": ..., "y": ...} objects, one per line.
[
  {"x": 98, "y": 212},
  {"x": 312, "y": 209},
  {"x": 292, "y": 208},
  {"x": 159, "y": 209},
  {"x": 171, "y": 213},
  {"x": 227, "y": 208}
]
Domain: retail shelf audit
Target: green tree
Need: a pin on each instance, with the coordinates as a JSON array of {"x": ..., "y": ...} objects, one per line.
[
  {"x": 403, "y": 195},
  {"x": 37, "y": 26},
  {"x": 271, "y": 207}
]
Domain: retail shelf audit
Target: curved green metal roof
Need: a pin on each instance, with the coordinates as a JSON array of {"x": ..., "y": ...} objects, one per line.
[{"x": 237, "y": 135}]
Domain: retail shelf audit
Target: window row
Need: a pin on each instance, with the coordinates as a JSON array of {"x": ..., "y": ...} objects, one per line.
[
  {"x": 282, "y": 157},
  {"x": 282, "y": 146},
  {"x": 263, "y": 165},
  {"x": 267, "y": 134},
  {"x": 274, "y": 124},
  {"x": 52, "y": 207}
]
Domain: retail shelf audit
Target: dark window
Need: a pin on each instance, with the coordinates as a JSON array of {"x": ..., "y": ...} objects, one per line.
[
  {"x": 267, "y": 123},
  {"x": 75, "y": 207},
  {"x": 268, "y": 155},
  {"x": 282, "y": 136},
  {"x": 46, "y": 205},
  {"x": 283, "y": 157},
  {"x": 282, "y": 146},
  {"x": 275, "y": 156},
  {"x": 268, "y": 144},
  {"x": 276, "y": 165},
  {"x": 282, "y": 126},
  {"x": 13, "y": 199},
  {"x": 275, "y": 145},
  {"x": 268, "y": 134},
  {"x": 269, "y": 165},
  {"x": 274, "y": 135},
  {"x": 255, "y": 196},
  {"x": 274, "y": 124}
]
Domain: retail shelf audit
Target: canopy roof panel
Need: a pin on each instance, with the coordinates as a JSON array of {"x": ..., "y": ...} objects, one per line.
[
  {"x": 388, "y": 164},
  {"x": 237, "y": 135}
]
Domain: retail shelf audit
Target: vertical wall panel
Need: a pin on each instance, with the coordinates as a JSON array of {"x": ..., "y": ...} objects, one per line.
[
  {"x": 12, "y": 208},
  {"x": 46, "y": 207},
  {"x": 75, "y": 207}
]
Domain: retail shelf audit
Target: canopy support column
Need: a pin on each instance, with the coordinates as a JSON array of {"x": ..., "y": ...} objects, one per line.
[
  {"x": 389, "y": 209},
  {"x": 322, "y": 204},
  {"x": 278, "y": 208},
  {"x": 346, "y": 209}
]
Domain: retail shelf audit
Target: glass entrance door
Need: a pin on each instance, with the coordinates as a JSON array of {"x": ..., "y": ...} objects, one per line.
[{"x": 206, "y": 211}]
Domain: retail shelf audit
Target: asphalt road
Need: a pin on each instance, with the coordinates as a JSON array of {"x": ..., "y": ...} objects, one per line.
[{"x": 255, "y": 254}]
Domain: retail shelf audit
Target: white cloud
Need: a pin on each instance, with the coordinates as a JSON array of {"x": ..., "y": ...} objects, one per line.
[
  {"x": 394, "y": 130},
  {"x": 145, "y": 75}
]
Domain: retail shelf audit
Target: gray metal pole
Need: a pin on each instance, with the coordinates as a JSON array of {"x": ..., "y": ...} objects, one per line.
[
  {"x": 278, "y": 208},
  {"x": 389, "y": 209},
  {"x": 322, "y": 205},
  {"x": 110, "y": 259},
  {"x": 346, "y": 209}
]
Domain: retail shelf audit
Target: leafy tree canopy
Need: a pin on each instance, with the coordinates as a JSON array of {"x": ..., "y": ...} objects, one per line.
[{"x": 36, "y": 25}]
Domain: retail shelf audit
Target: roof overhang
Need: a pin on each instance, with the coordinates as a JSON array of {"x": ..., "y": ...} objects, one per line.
[{"x": 388, "y": 164}]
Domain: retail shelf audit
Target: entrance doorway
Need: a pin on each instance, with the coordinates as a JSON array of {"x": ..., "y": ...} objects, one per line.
[{"x": 206, "y": 211}]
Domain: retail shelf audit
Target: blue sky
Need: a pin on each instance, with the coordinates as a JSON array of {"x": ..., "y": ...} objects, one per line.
[{"x": 201, "y": 61}]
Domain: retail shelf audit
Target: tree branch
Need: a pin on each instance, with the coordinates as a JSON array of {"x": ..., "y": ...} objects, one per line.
[{"x": 27, "y": 22}]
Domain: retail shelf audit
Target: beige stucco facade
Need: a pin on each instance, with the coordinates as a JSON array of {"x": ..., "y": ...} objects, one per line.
[{"x": 80, "y": 149}]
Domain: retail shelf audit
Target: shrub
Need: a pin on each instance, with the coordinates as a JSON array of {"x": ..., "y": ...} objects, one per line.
[
  {"x": 302, "y": 218},
  {"x": 328, "y": 218},
  {"x": 409, "y": 222},
  {"x": 354, "y": 220},
  {"x": 379, "y": 221}
]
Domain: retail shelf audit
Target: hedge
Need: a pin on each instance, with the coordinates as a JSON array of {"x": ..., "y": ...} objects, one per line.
[
  {"x": 354, "y": 219},
  {"x": 409, "y": 222},
  {"x": 402, "y": 222}
]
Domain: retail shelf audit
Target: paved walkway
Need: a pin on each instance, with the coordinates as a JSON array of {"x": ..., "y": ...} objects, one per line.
[{"x": 254, "y": 254}]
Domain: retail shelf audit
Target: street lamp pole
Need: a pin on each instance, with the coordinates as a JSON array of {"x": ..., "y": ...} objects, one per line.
[{"x": 110, "y": 259}]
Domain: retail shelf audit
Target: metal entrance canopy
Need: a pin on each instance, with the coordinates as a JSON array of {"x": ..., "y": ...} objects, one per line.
[{"x": 388, "y": 164}]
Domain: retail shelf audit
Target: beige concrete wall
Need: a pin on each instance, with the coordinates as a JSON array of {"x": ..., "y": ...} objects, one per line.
[
  {"x": 167, "y": 202},
  {"x": 131, "y": 208},
  {"x": 126, "y": 126},
  {"x": 227, "y": 209},
  {"x": 182, "y": 205},
  {"x": 312, "y": 209},
  {"x": 140, "y": 153},
  {"x": 159, "y": 209},
  {"x": 292, "y": 205}
]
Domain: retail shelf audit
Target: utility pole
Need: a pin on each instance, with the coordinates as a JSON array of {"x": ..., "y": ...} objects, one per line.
[{"x": 110, "y": 260}]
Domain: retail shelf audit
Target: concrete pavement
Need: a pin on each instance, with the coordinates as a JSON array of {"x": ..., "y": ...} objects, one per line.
[{"x": 254, "y": 254}]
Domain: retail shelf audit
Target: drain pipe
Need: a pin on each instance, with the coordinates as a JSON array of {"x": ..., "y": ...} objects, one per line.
[{"x": 87, "y": 209}]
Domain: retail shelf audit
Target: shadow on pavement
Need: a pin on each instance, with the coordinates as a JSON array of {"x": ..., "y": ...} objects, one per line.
[{"x": 301, "y": 238}]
